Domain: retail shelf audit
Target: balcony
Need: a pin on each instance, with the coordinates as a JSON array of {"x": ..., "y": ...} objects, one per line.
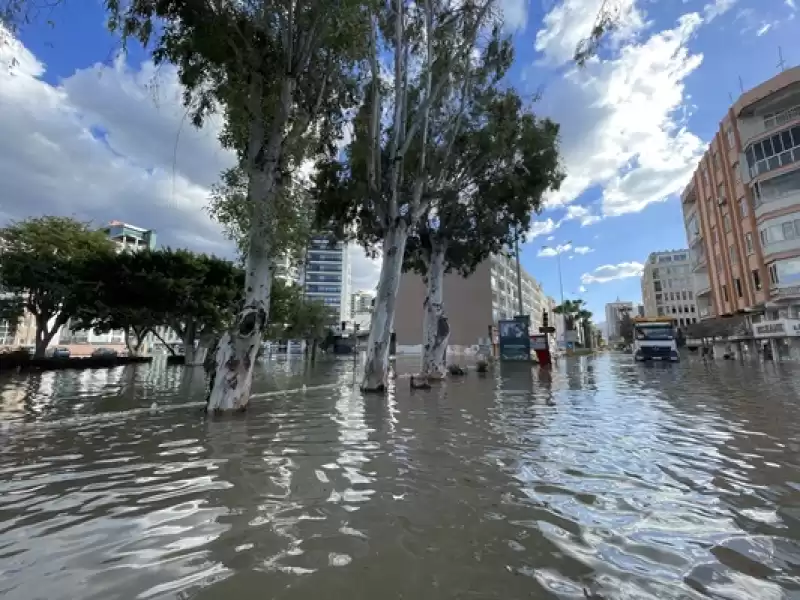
[{"x": 702, "y": 285}]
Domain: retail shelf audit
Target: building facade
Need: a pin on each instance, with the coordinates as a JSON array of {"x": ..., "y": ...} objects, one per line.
[
  {"x": 360, "y": 303},
  {"x": 473, "y": 304},
  {"x": 326, "y": 274},
  {"x": 614, "y": 311},
  {"x": 668, "y": 287},
  {"x": 130, "y": 237},
  {"x": 742, "y": 214}
]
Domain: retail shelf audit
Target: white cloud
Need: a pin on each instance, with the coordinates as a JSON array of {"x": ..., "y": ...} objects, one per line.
[
  {"x": 364, "y": 270},
  {"x": 571, "y": 21},
  {"x": 539, "y": 228},
  {"x": 582, "y": 214},
  {"x": 607, "y": 273},
  {"x": 622, "y": 118},
  {"x": 582, "y": 289},
  {"x": 113, "y": 142},
  {"x": 714, "y": 9},
  {"x": 582, "y": 250},
  {"x": 550, "y": 238},
  {"x": 763, "y": 29},
  {"x": 791, "y": 4},
  {"x": 548, "y": 251}
]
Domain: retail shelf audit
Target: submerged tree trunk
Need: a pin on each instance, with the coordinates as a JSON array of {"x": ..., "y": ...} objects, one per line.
[
  {"x": 376, "y": 367},
  {"x": 238, "y": 348},
  {"x": 436, "y": 329}
]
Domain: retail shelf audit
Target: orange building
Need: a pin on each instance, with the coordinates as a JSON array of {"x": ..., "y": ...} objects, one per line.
[{"x": 742, "y": 214}]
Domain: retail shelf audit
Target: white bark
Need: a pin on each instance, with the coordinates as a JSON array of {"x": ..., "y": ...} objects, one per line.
[
  {"x": 436, "y": 330},
  {"x": 376, "y": 367}
]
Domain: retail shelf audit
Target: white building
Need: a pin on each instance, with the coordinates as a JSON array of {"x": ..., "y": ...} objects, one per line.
[
  {"x": 668, "y": 287},
  {"x": 614, "y": 312},
  {"x": 360, "y": 302},
  {"x": 326, "y": 274}
]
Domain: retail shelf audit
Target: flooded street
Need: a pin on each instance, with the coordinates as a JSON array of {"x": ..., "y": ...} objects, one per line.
[{"x": 604, "y": 479}]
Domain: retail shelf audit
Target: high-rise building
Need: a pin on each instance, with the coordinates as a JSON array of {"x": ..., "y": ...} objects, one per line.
[
  {"x": 473, "y": 304},
  {"x": 742, "y": 211},
  {"x": 668, "y": 288},
  {"x": 130, "y": 237},
  {"x": 614, "y": 312},
  {"x": 326, "y": 274}
]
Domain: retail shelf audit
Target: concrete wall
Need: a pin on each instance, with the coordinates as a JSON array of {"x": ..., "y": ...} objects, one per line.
[{"x": 468, "y": 304}]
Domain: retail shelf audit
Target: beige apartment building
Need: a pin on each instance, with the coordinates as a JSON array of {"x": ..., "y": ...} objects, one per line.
[
  {"x": 473, "y": 304},
  {"x": 668, "y": 287},
  {"x": 742, "y": 215}
]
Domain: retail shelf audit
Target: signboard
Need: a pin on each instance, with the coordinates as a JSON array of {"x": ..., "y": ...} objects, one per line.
[
  {"x": 784, "y": 327},
  {"x": 515, "y": 343},
  {"x": 539, "y": 342}
]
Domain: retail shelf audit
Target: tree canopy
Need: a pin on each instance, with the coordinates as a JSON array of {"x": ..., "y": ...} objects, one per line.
[{"x": 40, "y": 266}]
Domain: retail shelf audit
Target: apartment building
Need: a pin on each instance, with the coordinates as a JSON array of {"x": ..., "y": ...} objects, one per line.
[
  {"x": 473, "y": 304},
  {"x": 326, "y": 274},
  {"x": 360, "y": 303},
  {"x": 668, "y": 287},
  {"x": 614, "y": 311},
  {"x": 130, "y": 237},
  {"x": 742, "y": 214}
]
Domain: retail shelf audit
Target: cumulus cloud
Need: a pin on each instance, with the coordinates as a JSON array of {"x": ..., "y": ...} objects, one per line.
[
  {"x": 582, "y": 289},
  {"x": 539, "y": 228},
  {"x": 582, "y": 250},
  {"x": 606, "y": 273},
  {"x": 364, "y": 270},
  {"x": 622, "y": 117},
  {"x": 548, "y": 251},
  {"x": 581, "y": 214},
  {"x": 714, "y": 9},
  {"x": 114, "y": 142},
  {"x": 515, "y": 14}
]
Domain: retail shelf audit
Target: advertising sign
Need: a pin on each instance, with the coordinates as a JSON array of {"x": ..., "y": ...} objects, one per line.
[
  {"x": 515, "y": 343},
  {"x": 539, "y": 342}
]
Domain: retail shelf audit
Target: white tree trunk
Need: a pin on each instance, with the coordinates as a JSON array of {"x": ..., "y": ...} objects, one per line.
[
  {"x": 376, "y": 367},
  {"x": 238, "y": 348},
  {"x": 436, "y": 329}
]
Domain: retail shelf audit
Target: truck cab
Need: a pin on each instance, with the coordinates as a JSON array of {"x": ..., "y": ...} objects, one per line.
[{"x": 654, "y": 339}]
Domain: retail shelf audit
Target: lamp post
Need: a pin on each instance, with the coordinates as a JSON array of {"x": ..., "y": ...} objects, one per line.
[
  {"x": 520, "y": 307},
  {"x": 560, "y": 249}
]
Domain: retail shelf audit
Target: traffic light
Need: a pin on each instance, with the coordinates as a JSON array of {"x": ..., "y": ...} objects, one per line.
[{"x": 545, "y": 319}]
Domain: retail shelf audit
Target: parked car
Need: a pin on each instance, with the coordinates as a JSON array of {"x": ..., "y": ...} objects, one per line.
[
  {"x": 105, "y": 353},
  {"x": 60, "y": 352}
]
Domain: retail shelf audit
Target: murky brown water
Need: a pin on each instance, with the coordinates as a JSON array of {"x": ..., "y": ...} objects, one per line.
[{"x": 607, "y": 480}]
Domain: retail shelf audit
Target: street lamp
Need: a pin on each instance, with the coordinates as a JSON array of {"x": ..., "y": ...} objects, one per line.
[{"x": 559, "y": 250}]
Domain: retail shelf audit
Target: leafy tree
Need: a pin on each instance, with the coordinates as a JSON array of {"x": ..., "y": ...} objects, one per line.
[
  {"x": 310, "y": 321},
  {"x": 569, "y": 309},
  {"x": 41, "y": 264},
  {"x": 12, "y": 310},
  {"x": 626, "y": 326},
  {"x": 283, "y": 73},
  {"x": 380, "y": 183},
  {"x": 584, "y": 317},
  {"x": 490, "y": 179}
]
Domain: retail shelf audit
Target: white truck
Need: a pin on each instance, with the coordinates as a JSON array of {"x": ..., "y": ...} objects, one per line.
[{"x": 654, "y": 339}]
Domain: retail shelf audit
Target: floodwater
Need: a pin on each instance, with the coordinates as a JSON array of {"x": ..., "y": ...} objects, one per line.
[{"x": 604, "y": 479}]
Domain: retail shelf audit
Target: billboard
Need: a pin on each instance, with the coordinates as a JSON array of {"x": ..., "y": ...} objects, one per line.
[{"x": 514, "y": 339}]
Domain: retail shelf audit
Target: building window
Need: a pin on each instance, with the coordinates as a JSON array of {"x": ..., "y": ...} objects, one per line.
[
  {"x": 660, "y": 311},
  {"x": 732, "y": 252},
  {"x": 718, "y": 261},
  {"x": 738, "y": 283},
  {"x": 714, "y": 235},
  {"x": 658, "y": 298},
  {"x": 773, "y": 274},
  {"x": 778, "y": 150},
  {"x": 731, "y": 138},
  {"x": 788, "y": 230},
  {"x": 716, "y": 160},
  {"x": 725, "y": 293},
  {"x": 742, "y": 207},
  {"x": 756, "y": 279},
  {"x": 748, "y": 243},
  {"x": 726, "y": 223},
  {"x": 690, "y": 294}
]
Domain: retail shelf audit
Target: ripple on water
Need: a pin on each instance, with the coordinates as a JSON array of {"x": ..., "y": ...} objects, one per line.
[{"x": 601, "y": 479}]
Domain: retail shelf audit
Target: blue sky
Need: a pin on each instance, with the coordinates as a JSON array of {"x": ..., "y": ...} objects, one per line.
[{"x": 102, "y": 136}]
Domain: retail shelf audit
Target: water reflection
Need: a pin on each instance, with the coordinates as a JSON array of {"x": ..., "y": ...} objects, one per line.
[{"x": 598, "y": 478}]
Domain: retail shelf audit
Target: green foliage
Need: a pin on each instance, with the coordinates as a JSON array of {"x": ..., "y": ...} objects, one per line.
[
  {"x": 293, "y": 211},
  {"x": 12, "y": 309},
  {"x": 41, "y": 263},
  {"x": 570, "y": 309},
  {"x": 626, "y": 326},
  {"x": 311, "y": 320}
]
